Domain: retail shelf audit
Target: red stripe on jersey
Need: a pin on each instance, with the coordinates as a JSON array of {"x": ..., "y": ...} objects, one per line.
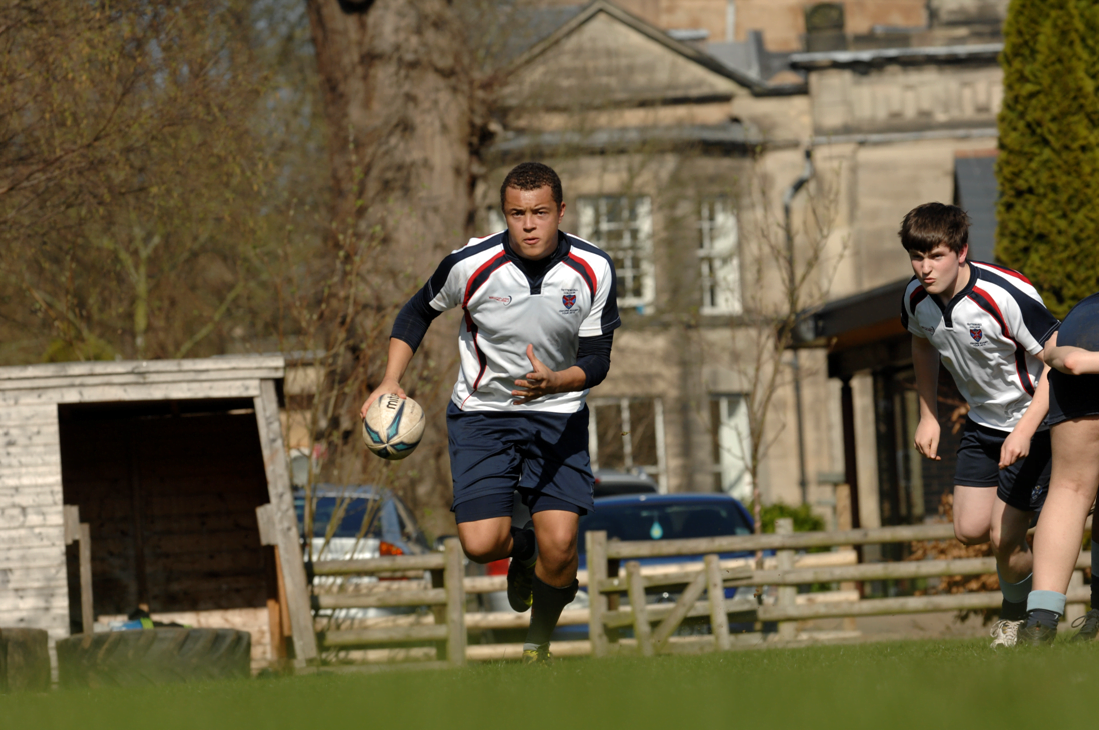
[
  {"x": 481, "y": 359},
  {"x": 918, "y": 295},
  {"x": 590, "y": 275},
  {"x": 996, "y": 313},
  {"x": 1020, "y": 353},
  {"x": 470, "y": 288},
  {"x": 1009, "y": 272}
]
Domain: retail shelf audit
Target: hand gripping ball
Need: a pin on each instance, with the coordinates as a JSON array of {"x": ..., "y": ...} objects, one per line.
[{"x": 393, "y": 426}]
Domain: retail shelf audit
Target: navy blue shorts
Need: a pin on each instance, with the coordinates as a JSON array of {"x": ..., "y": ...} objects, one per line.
[
  {"x": 543, "y": 455},
  {"x": 1072, "y": 396},
  {"x": 1023, "y": 485}
]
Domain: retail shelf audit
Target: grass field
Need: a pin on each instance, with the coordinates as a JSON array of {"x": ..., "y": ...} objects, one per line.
[{"x": 917, "y": 684}]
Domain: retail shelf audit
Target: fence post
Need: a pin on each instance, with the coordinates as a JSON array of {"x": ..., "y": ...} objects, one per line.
[
  {"x": 715, "y": 587},
  {"x": 597, "y": 573},
  {"x": 642, "y": 629},
  {"x": 1074, "y": 611},
  {"x": 844, "y": 522},
  {"x": 455, "y": 604},
  {"x": 787, "y": 595}
]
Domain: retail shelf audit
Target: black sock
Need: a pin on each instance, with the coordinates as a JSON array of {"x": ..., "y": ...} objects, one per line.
[
  {"x": 1013, "y": 611},
  {"x": 1042, "y": 617},
  {"x": 522, "y": 544},
  {"x": 1094, "y": 592},
  {"x": 546, "y": 609}
]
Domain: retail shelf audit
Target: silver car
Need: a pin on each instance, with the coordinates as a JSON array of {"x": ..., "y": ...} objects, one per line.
[{"x": 355, "y": 523}]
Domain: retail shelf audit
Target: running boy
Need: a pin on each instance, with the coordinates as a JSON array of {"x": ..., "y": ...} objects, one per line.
[
  {"x": 1073, "y": 357},
  {"x": 987, "y": 324},
  {"x": 539, "y": 311}
]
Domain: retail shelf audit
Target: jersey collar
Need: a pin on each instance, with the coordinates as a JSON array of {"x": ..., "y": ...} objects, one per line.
[
  {"x": 558, "y": 254},
  {"x": 948, "y": 308}
]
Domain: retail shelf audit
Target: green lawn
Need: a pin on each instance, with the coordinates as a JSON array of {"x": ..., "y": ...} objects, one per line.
[{"x": 918, "y": 684}]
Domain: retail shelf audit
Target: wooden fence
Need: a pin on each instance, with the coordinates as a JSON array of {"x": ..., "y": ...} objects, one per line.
[{"x": 614, "y": 570}]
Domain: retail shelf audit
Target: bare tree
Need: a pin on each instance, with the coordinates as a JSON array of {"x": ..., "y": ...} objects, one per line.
[
  {"x": 789, "y": 263},
  {"x": 140, "y": 170}
]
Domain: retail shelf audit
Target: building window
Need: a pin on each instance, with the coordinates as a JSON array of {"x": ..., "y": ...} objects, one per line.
[
  {"x": 732, "y": 445},
  {"x": 494, "y": 218},
  {"x": 627, "y": 434},
  {"x": 623, "y": 227},
  {"x": 719, "y": 257}
]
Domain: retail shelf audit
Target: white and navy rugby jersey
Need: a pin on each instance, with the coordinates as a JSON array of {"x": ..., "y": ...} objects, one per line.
[
  {"x": 987, "y": 336},
  {"x": 505, "y": 311}
]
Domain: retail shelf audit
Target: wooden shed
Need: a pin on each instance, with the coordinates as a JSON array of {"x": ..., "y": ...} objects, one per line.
[{"x": 178, "y": 469}]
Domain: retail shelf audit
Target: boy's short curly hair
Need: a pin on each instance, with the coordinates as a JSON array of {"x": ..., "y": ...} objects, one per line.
[
  {"x": 928, "y": 225},
  {"x": 531, "y": 176}
]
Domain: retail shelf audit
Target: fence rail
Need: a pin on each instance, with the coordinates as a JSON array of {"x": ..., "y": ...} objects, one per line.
[{"x": 615, "y": 570}]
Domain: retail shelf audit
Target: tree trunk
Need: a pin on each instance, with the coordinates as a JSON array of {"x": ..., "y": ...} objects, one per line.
[{"x": 398, "y": 101}]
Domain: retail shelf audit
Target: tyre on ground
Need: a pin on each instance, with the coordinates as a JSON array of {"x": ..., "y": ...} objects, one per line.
[
  {"x": 24, "y": 660},
  {"x": 153, "y": 656}
]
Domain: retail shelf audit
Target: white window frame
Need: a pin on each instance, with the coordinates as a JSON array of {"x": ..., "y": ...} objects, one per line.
[
  {"x": 494, "y": 219},
  {"x": 633, "y": 254},
  {"x": 734, "y": 445},
  {"x": 658, "y": 471},
  {"x": 719, "y": 258}
]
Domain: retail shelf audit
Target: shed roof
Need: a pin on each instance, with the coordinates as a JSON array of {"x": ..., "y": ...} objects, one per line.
[{"x": 90, "y": 382}]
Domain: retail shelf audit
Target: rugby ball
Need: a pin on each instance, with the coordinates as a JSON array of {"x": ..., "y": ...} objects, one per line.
[{"x": 393, "y": 426}]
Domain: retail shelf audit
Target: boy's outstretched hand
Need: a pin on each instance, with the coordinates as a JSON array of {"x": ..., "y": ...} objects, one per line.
[
  {"x": 927, "y": 438},
  {"x": 539, "y": 382},
  {"x": 1016, "y": 446}
]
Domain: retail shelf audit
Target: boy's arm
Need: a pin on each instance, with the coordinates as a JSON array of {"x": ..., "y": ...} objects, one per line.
[
  {"x": 925, "y": 361},
  {"x": 440, "y": 293},
  {"x": 1071, "y": 360},
  {"x": 1017, "y": 445},
  {"x": 400, "y": 354}
]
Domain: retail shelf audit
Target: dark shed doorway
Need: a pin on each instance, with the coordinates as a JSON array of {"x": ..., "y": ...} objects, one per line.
[{"x": 170, "y": 490}]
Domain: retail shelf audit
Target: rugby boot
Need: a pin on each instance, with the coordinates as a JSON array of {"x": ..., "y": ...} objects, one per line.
[
  {"x": 1038, "y": 635},
  {"x": 539, "y": 655},
  {"x": 1089, "y": 626},
  {"x": 1006, "y": 633},
  {"x": 521, "y": 580}
]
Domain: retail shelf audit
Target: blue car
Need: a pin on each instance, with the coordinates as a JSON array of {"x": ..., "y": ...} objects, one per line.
[{"x": 639, "y": 517}]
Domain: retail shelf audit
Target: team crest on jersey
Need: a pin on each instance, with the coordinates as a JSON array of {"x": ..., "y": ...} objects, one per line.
[
  {"x": 568, "y": 298},
  {"x": 976, "y": 333}
]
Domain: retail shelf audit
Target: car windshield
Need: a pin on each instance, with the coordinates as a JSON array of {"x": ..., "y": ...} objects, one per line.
[
  {"x": 350, "y": 511},
  {"x": 649, "y": 521}
]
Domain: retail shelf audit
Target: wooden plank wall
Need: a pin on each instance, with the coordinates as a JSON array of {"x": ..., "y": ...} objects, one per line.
[
  {"x": 171, "y": 502},
  {"x": 33, "y": 586}
]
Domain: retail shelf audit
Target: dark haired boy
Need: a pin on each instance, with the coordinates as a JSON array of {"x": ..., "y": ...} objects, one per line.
[
  {"x": 539, "y": 309},
  {"x": 987, "y": 325}
]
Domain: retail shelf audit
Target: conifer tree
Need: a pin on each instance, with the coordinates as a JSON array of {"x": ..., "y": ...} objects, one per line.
[{"x": 1048, "y": 168}]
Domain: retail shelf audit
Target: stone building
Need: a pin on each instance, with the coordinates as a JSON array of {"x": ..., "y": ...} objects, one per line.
[{"x": 677, "y": 150}]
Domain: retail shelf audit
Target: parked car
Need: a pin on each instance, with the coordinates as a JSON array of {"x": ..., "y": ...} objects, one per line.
[
  {"x": 611, "y": 483},
  {"x": 357, "y": 522},
  {"x": 656, "y": 517}
]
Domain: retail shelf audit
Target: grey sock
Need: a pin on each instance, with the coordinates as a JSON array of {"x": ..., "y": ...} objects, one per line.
[
  {"x": 1015, "y": 592},
  {"x": 1046, "y": 601}
]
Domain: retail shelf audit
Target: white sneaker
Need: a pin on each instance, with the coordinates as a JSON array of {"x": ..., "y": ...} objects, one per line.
[{"x": 1006, "y": 633}]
